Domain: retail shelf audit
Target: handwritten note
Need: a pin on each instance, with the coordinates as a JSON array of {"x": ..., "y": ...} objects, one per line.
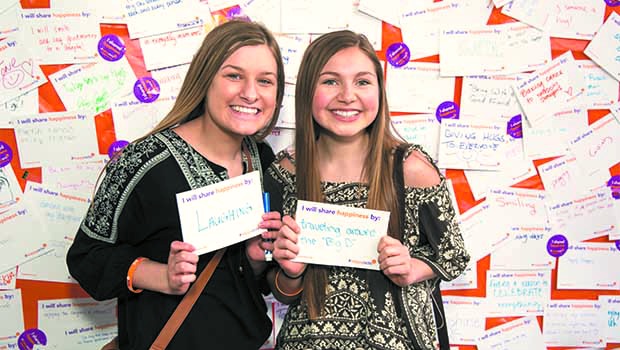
[
  {"x": 19, "y": 73},
  {"x": 562, "y": 178},
  {"x": 527, "y": 48},
  {"x": 598, "y": 147},
  {"x": 472, "y": 50},
  {"x": 91, "y": 87},
  {"x": 576, "y": 266},
  {"x": 574, "y": 323},
  {"x": 11, "y": 309},
  {"x": 422, "y": 97},
  {"x": 610, "y": 309},
  {"x": 514, "y": 206},
  {"x": 536, "y": 13},
  {"x": 421, "y": 129},
  {"x": 173, "y": 48},
  {"x": 16, "y": 224},
  {"x": 518, "y": 293},
  {"x": 338, "y": 235},
  {"x": 133, "y": 119},
  {"x": 484, "y": 95},
  {"x": 576, "y": 19},
  {"x": 526, "y": 250},
  {"x": 62, "y": 37},
  {"x": 77, "y": 323},
  {"x": 479, "y": 240},
  {"x": 55, "y": 138},
  {"x": 551, "y": 88},
  {"x": 61, "y": 213},
  {"x": 25, "y": 104},
  {"x": 584, "y": 216},
  {"x": 472, "y": 144},
  {"x": 603, "y": 48},
  {"x": 8, "y": 278},
  {"x": 221, "y": 214},
  {"x": 292, "y": 48},
  {"x": 169, "y": 16},
  {"x": 77, "y": 178},
  {"x": 522, "y": 333},
  {"x": 463, "y": 315},
  {"x": 601, "y": 88},
  {"x": 551, "y": 137}
]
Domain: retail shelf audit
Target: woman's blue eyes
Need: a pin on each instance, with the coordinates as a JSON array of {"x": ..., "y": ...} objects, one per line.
[{"x": 235, "y": 76}]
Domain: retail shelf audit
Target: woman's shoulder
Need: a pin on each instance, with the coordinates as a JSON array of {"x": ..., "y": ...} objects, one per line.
[{"x": 419, "y": 168}]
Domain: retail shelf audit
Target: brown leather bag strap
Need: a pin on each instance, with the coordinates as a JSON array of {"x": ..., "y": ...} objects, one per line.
[
  {"x": 180, "y": 313},
  {"x": 184, "y": 307}
]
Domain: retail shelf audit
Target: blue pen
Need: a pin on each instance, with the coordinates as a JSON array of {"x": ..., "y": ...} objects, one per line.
[{"x": 267, "y": 207}]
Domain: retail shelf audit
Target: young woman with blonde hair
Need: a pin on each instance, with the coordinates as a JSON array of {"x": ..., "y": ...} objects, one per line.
[
  {"x": 129, "y": 246},
  {"x": 345, "y": 154}
]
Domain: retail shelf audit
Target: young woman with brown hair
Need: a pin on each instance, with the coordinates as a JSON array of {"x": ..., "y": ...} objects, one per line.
[
  {"x": 344, "y": 154},
  {"x": 129, "y": 246}
]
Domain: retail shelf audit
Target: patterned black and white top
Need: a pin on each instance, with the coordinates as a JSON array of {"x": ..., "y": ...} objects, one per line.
[
  {"x": 361, "y": 305},
  {"x": 134, "y": 213}
]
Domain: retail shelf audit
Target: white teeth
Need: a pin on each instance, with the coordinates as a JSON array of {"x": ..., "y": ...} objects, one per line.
[
  {"x": 247, "y": 110},
  {"x": 345, "y": 114}
]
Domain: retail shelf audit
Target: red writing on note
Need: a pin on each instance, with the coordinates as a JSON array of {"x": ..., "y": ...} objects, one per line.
[{"x": 12, "y": 73}]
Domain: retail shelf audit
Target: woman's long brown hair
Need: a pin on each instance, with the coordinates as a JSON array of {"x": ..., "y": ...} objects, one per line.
[{"x": 378, "y": 164}]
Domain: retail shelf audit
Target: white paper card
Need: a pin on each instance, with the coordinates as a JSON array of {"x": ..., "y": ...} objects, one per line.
[
  {"x": 338, "y": 235},
  {"x": 603, "y": 48},
  {"x": 221, "y": 214}
]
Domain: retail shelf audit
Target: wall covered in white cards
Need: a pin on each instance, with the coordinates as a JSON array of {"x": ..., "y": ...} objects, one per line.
[{"x": 516, "y": 100}]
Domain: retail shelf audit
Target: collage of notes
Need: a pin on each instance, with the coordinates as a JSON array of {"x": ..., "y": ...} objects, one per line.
[{"x": 516, "y": 101}]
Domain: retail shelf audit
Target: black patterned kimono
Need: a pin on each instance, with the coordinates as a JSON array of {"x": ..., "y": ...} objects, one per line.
[
  {"x": 363, "y": 308},
  {"x": 134, "y": 213}
]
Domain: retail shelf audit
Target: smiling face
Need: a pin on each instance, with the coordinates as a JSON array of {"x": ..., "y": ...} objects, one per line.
[
  {"x": 346, "y": 98},
  {"x": 242, "y": 97}
]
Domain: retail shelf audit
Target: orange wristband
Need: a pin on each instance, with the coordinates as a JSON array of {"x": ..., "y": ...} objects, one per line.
[
  {"x": 281, "y": 291},
  {"x": 131, "y": 271}
]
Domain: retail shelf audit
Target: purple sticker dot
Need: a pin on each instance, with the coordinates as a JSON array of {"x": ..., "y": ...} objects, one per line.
[
  {"x": 514, "y": 128},
  {"x": 116, "y": 147},
  {"x": 557, "y": 245},
  {"x": 146, "y": 89},
  {"x": 613, "y": 183},
  {"x": 398, "y": 54},
  {"x": 111, "y": 47},
  {"x": 31, "y": 337},
  {"x": 447, "y": 110},
  {"x": 613, "y": 3},
  {"x": 235, "y": 13},
  {"x": 6, "y": 154}
]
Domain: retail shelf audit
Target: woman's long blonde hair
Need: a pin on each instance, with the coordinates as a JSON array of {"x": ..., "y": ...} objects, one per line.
[
  {"x": 217, "y": 46},
  {"x": 377, "y": 170}
]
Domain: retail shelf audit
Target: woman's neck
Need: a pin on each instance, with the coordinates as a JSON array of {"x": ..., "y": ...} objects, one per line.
[{"x": 342, "y": 160}]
